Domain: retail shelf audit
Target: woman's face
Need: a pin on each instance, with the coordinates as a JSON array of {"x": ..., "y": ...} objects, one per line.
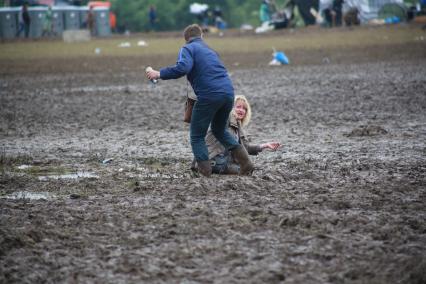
[{"x": 240, "y": 110}]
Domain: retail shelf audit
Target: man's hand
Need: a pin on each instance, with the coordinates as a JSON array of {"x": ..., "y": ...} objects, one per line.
[
  {"x": 152, "y": 74},
  {"x": 272, "y": 146}
]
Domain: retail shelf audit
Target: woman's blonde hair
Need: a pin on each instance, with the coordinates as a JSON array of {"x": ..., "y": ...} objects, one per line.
[{"x": 245, "y": 121}]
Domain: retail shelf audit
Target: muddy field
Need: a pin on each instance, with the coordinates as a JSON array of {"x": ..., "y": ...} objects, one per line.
[{"x": 95, "y": 184}]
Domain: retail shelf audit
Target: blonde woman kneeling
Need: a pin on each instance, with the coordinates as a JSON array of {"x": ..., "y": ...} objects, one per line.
[{"x": 221, "y": 160}]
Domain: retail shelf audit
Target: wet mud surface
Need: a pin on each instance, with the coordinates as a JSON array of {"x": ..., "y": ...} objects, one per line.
[{"x": 95, "y": 182}]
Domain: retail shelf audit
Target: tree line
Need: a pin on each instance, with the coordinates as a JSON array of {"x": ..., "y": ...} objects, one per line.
[
  {"x": 172, "y": 15},
  {"x": 132, "y": 15}
]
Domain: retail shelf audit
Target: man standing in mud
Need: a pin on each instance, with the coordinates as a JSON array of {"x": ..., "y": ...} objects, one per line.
[{"x": 215, "y": 97}]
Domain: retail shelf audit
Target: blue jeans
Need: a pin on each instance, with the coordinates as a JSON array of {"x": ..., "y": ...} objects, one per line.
[
  {"x": 214, "y": 111},
  {"x": 23, "y": 27}
]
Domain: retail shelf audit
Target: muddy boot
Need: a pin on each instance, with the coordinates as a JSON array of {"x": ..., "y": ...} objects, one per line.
[
  {"x": 204, "y": 168},
  {"x": 232, "y": 169},
  {"x": 194, "y": 166},
  {"x": 241, "y": 156}
]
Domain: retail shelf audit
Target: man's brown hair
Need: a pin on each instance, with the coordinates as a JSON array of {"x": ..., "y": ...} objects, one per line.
[{"x": 192, "y": 31}]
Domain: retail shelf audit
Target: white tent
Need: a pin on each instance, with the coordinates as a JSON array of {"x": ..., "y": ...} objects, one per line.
[
  {"x": 196, "y": 8},
  {"x": 368, "y": 9}
]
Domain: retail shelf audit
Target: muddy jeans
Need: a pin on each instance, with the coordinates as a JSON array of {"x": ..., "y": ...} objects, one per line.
[
  {"x": 214, "y": 111},
  {"x": 220, "y": 163}
]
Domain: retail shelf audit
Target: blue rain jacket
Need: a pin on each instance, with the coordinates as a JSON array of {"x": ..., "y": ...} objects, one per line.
[{"x": 203, "y": 68}]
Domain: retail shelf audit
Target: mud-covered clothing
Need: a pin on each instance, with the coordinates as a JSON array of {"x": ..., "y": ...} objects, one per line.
[
  {"x": 203, "y": 68},
  {"x": 234, "y": 127},
  {"x": 221, "y": 159},
  {"x": 215, "y": 95},
  {"x": 213, "y": 112}
]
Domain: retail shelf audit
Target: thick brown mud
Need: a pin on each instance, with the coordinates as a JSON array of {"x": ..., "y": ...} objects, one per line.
[{"x": 343, "y": 201}]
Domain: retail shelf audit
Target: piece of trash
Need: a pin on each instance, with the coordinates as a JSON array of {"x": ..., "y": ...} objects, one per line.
[
  {"x": 75, "y": 196},
  {"x": 142, "y": 43},
  {"x": 76, "y": 175},
  {"x": 29, "y": 195},
  {"x": 265, "y": 27},
  {"x": 23, "y": 167},
  {"x": 125, "y": 44},
  {"x": 120, "y": 170},
  {"x": 106, "y": 161},
  {"x": 392, "y": 20},
  {"x": 274, "y": 62},
  {"x": 279, "y": 58},
  {"x": 246, "y": 27},
  {"x": 97, "y": 50},
  {"x": 377, "y": 22}
]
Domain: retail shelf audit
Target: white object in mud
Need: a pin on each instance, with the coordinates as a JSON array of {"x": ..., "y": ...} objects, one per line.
[
  {"x": 125, "y": 44},
  {"x": 106, "y": 161}
]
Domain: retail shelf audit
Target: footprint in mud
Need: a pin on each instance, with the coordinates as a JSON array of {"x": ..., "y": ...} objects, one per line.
[{"x": 367, "y": 130}]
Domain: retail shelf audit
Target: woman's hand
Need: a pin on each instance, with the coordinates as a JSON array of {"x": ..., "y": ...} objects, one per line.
[{"x": 272, "y": 146}]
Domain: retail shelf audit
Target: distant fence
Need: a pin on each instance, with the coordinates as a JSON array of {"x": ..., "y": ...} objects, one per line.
[{"x": 63, "y": 18}]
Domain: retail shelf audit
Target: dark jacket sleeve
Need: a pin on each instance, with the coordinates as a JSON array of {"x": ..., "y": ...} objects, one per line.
[
  {"x": 251, "y": 149},
  {"x": 183, "y": 65}
]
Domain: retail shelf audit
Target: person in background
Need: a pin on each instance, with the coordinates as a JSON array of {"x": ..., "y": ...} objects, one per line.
[
  {"x": 113, "y": 21},
  {"x": 264, "y": 12},
  {"x": 47, "y": 22},
  {"x": 215, "y": 98},
  {"x": 218, "y": 20},
  {"x": 333, "y": 14},
  {"x": 24, "y": 21},
  {"x": 90, "y": 21},
  {"x": 351, "y": 17},
  {"x": 152, "y": 17},
  {"x": 222, "y": 160}
]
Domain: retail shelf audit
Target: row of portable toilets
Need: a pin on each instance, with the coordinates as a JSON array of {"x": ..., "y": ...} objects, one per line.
[{"x": 63, "y": 18}]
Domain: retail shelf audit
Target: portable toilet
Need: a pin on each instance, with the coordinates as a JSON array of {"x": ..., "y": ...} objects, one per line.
[
  {"x": 57, "y": 21},
  {"x": 8, "y": 22},
  {"x": 37, "y": 15},
  {"x": 83, "y": 11},
  {"x": 71, "y": 17},
  {"x": 102, "y": 25}
]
